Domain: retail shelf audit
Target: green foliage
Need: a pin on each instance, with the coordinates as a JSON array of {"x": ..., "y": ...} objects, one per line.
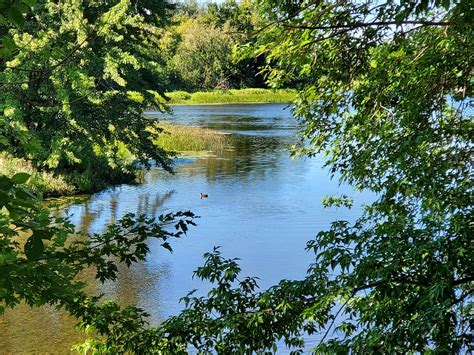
[
  {"x": 239, "y": 16},
  {"x": 41, "y": 255},
  {"x": 12, "y": 13},
  {"x": 203, "y": 57},
  {"x": 199, "y": 47},
  {"x": 81, "y": 78},
  {"x": 177, "y": 97}
]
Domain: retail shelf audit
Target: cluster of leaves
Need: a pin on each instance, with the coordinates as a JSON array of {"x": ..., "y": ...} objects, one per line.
[
  {"x": 41, "y": 255},
  {"x": 76, "y": 85},
  {"x": 12, "y": 13},
  {"x": 200, "y": 42},
  {"x": 386, "y": 89}
]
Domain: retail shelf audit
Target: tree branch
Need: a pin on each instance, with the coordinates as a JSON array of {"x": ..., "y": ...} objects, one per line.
[{"x": 356, "y": 25}]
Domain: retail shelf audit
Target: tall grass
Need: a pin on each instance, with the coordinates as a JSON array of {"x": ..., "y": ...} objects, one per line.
[
  {"x": 190, "y": 138},
  {"x": 42, "y": 183},
  {"x": 82, "y": 179},
  {"x": 232, "y": 96}
]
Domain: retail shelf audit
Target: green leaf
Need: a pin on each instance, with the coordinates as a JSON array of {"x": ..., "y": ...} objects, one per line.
[
  {"x": 15, "y": 16},
  {"x": 24, "y": 9},
  {"x": 5, "y": 183},
  {"x": 34, "y": 247},
  {"x": 4, "y": 199},
  {"x": 3, "y": 140},
  {"x": 8, "y": 43},
  {"x": 20, "y": 178},
  {"x": 3, "y": 20},
  {"x": 30, "y": 3},
  {"x": 167, "y": 246}
]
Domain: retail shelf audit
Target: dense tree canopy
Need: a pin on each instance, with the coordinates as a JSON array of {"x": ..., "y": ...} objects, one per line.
[
  {"x": 77, "y": 76},
  {"x": 200, "y": 42},
  {"x": 385, "y": 95},
  {"x": 77, "y": 83},
  {"x": 204, "y": 55}
]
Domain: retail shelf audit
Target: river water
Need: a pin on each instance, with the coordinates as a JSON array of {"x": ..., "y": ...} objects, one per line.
[{"x": 263, "y": 207}]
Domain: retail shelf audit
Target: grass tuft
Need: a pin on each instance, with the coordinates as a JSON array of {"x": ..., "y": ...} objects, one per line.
[{"x": 190, "y": 138}]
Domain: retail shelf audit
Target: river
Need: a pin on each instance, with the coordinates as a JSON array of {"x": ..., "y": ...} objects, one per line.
[{"x": 262, "y": 207}]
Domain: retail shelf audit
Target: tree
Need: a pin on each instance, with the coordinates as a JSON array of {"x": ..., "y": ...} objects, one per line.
[
  {"x": 12, "y": 13},
  {"x": 200, "y": 47},
  {"x": 242, "y": 20},
  {"x": 203, "y": 57},
  {"x": 77, "y": 84},
  {"x": 385, "y": 94}
]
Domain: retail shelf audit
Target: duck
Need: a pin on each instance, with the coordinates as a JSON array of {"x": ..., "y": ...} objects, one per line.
[{"x": 201, "y": 195}]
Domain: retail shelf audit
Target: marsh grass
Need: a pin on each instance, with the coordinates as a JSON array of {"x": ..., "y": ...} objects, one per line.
[
  {"x": 232, "y": 96},
  {"x": 190, "y": 138},
  {"x": 42, "y": 183}
]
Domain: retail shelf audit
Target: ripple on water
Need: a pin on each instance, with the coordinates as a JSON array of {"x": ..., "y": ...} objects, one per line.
[{"x": 263, "y": 207}]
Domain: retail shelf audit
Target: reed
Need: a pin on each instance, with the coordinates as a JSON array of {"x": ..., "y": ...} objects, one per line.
[
  {"x": 233, "y": 96},
  {"x": 179, "y": 138}
]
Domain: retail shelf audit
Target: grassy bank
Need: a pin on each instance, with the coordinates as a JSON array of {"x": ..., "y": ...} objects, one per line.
[
  {"x": 190, "y": 138},
  {"x": 42, "y": 183},
  {"x": 100, "y": 175},
  {"x": 232, "y": 96},
  {"x": 96, "y": 176}
]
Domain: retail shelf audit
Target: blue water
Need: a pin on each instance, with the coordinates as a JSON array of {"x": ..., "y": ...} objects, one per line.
[{"x": 263, "y": 207}]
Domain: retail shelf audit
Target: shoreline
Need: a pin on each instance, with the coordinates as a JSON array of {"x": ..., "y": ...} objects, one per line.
[
  {"x": 229, "y": 103},
  {"x": 57, "y": 185},
  {"x": 233, "y": 96}
]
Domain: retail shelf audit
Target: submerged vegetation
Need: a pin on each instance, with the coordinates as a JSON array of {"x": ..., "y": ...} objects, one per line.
[{"x": 233, "y": 96}]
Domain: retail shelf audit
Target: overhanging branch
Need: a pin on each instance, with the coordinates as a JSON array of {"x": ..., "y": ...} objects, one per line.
[{"x": 356, "y": 25}]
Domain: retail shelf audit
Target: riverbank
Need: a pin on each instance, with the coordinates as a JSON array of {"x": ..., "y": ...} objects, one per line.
[
  {"x": 41, "y": 183},
  {"x": 232, "y": 96},
  {"x": 172, "y": 138}
]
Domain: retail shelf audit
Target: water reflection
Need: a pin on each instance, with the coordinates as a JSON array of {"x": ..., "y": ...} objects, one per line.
[
  {"x": 262, "y": 207},
  {"x": 256, "y": 119}
]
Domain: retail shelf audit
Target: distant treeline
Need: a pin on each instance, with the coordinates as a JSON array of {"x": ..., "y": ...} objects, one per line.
[{"x": 200, "y": 47}]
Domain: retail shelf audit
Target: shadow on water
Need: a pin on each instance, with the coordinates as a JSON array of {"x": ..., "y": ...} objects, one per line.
[{"x": 262, "y": 207}]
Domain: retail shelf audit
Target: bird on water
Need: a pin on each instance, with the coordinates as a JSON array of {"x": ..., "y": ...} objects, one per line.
[{"x": 201, "y": 195}]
